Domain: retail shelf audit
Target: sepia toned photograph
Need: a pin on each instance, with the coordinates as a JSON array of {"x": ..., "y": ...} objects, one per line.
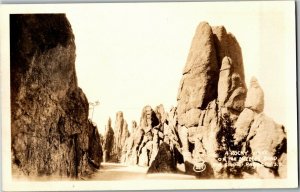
[{"x": 134, "y": 96}]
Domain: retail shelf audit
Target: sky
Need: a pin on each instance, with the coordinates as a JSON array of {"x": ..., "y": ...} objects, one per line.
[{"x": 132, "y": 55}]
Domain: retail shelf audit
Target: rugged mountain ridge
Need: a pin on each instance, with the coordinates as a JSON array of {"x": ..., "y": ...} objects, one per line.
[{"x": 50, "y": 130}]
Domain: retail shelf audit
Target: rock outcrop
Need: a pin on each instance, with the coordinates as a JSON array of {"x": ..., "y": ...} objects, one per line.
[
  {"x": 258, "y": 133},
  {"x": 201, "y": 66},
  {"x": 152, "y": 128},
  {"x": 50, "y": 130},
  {"x": 212, "y": 91},
  {"x": 215, "y": 119},
  {"x": 132, "y": 144},
  {"x": 121, "y": 133},
  {"x": 218, "y": 129},
  {"x": 144, "y": 146},
  {"x": 255, "y": 97},
  {"x": 108, "y": 142}
]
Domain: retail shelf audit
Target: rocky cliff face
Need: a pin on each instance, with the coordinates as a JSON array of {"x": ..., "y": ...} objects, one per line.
[
  {"x": 50, "y": 130},
  {"x": 216, "y": 120}
]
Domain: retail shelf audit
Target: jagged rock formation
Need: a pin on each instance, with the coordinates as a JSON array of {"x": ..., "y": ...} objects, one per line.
[
  {"x": 156, "y": 127},
  {"x": 214, "y": 116},
  {"x": 211, "y": 92},
  {"x": 108, "y": 141},
  {"x": 132, "y": 145},
  {"x": 201, "y": 66},
  {"x": 142, "y": 144},
  {"x": 258, "y": 133},
  {"x": 152, "y": 129},
  {"x": 171, "y": 136},
  {"x": 218, "y": 129},
  {"x": 115, "y": 140},
  {"x": 50, "y": 130}
]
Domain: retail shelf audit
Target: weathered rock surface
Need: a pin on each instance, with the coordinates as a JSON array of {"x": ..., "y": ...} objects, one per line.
[
  {"x": 170, "y": 128},
  {"x": 227, "y": 45},
  {"x": 255, "y": 97},
  {"x": 121, "y": 133},
  {"x": 217, "y": 125},
  {"x": 108, "y": 142},
  {"x": 132, "y": 144},
  {"x": 215, "y": 118},
  {"x": 231, "y": 84},
  {"x": 156, "y": 126},
  {"x": 243, "y": 125},
  {"x": 50, "y": 130},
  {"x": 216, "y": 96},
  {"x": 152, "y": 128},
  {"x": 265, "y": 139},
  {"x": 164, "y": 161},
  {"x": 198, "y": 85}
]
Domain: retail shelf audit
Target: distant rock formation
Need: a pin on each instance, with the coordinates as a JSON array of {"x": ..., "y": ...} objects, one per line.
[
  {"x": 152, "y": 128},
  {"x": 108, "y": 141},
  {"x": 143, "y": 145},
  {"x": 132, "y": 145},
  {"x": 50, "y": 130},
  {"x": 215, "y": 119},
  {"x": 115, "y": 140}
]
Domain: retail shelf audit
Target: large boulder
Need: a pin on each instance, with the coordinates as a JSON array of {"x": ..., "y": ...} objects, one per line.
[
  {"x": 260, "y": 137},
  {"x": 50, "y": 130},
  {"x": 164, "y": 161},
  {"x": 255, "y": 97},
  {"x": 243, "y": 124},
  {"x": 266, "y": 140}
]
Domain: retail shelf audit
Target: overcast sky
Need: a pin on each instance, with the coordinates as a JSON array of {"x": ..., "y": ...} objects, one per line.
[{"x": 131, "y": 55}]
